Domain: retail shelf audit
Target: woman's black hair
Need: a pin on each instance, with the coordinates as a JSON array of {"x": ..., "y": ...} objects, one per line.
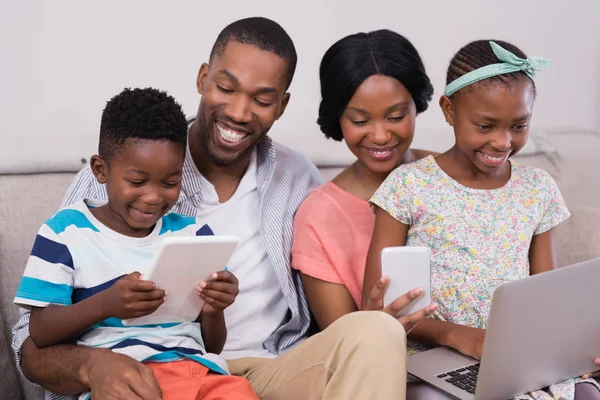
[{"x": 353, "y": 59}]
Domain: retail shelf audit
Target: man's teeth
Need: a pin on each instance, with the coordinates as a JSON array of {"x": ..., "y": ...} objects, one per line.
[{"x": 229, "y": 135}]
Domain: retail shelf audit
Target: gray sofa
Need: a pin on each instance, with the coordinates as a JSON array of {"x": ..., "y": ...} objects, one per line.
[{"x": 27, "y": 199}]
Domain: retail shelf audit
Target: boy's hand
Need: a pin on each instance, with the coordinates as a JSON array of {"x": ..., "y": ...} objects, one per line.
[
  {"x": 131, "y": 297},
  {"x": 218, "y": 293}
]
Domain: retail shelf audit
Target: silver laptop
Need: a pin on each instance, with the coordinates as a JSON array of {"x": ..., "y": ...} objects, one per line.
[{"x": 542, "y": 329}]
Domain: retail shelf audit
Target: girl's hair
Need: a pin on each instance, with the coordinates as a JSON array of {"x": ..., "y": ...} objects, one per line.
[
  {"x": 353, "y": 59},
  {"x": 478, "y": 54}
]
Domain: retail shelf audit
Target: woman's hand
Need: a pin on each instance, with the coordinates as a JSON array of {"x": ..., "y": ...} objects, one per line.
[{"x": 375, "y": 303}]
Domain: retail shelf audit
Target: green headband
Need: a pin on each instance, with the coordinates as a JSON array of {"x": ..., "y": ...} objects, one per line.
[{"x": 510, "y": 63}]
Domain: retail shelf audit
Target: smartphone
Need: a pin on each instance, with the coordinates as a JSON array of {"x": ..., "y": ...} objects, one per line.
[{"x": 407, "y": 267}]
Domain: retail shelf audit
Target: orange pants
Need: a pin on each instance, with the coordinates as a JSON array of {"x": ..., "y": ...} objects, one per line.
[{"x": 189, "y": 380}]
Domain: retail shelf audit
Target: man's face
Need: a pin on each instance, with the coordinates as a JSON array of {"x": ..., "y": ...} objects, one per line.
[{"x": 243, "y": 93}]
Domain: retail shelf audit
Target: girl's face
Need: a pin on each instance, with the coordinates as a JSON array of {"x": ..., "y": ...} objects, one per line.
[
  {"x": 378, "y": 123},
  {"x": 491, "y": 121}
]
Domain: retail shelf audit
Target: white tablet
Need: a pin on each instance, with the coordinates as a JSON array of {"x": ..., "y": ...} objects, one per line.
[
  {"x": 179, "y": 265},
  {"x": 407, "y": 267}
]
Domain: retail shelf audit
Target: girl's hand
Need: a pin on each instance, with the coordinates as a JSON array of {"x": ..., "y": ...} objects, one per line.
[
  {"x": 375, "y": 302},
  {"x": 468, "y": 341},
  {"x": 593, "y": 374},
  {"x": 218, "y": 293}
]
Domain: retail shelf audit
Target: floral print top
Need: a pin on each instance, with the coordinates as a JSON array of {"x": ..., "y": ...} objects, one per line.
[{"x": 479, "y": 239}]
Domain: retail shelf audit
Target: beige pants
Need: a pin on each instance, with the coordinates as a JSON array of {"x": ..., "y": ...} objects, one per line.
[{"x": 360, "y": 356}]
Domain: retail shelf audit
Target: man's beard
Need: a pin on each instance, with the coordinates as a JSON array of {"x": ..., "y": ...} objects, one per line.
[{"x": 220, "y": 160}]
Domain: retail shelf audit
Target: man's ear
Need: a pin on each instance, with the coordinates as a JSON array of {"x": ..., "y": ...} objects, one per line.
[
  {"x": 201, "y": 80},
  {"x": 448, "y": 109},
  {"x": 99, "y": 168},
  {"x": 284, "y": 103}
]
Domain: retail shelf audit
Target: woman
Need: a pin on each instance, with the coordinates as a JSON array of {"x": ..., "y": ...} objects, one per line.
[{"x": 373, "y": 86}]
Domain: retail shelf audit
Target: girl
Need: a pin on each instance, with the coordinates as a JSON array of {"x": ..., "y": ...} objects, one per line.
[{"x": 487, "y": 220}]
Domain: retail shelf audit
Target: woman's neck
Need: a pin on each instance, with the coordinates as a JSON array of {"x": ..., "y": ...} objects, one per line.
[{"x": 360, "y": 181}]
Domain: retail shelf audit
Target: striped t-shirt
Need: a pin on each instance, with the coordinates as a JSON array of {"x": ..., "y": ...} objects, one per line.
[{"x": 75, "y": 256}]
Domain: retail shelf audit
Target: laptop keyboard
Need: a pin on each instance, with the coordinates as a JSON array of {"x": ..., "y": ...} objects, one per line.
[{"x": 463, "y": 378}]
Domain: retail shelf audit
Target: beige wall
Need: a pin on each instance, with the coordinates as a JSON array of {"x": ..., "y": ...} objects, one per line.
[{"x": 61, "y": 60}]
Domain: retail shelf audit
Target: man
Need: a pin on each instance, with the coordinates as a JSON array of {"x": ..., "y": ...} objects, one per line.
[{"x": 242, "y": 183}]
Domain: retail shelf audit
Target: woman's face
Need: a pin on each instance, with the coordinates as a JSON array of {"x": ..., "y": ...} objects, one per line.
[{"x": 378, "y": 123}]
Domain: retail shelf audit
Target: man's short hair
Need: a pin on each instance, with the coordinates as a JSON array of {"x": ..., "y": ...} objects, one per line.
[{"x": 262, "y": 33}]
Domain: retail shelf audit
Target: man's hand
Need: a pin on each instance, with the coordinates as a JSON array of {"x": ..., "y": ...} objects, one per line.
[
  {"x": 112, "y": 376},
  {"x": 594, "y": 374},
  {"x": 131, "y": 297},
  {"x": 375, "y": 302},
  {"x": 218, "y": 293}
]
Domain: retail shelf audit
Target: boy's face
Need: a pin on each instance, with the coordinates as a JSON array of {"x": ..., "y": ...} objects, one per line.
[
  {"x": 143, "y": 181},
  {"x": 243, "y": 94}
]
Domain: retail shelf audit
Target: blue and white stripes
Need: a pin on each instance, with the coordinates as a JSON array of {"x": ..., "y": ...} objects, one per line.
[{"x": 74, "y": 257}]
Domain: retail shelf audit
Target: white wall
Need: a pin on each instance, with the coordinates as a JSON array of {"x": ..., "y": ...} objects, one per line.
[{"x": 62, "y": 60}]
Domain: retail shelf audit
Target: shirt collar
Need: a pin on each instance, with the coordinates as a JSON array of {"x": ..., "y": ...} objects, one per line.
[{"x": 191, "y": 181}]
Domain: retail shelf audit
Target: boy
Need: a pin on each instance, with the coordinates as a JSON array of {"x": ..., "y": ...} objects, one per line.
[{"x": 84, "y": 273}]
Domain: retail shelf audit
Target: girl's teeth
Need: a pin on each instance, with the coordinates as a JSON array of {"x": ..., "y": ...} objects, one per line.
[
  {"x": 496, "y": 159},
  {"x": 229, "y": 135}
]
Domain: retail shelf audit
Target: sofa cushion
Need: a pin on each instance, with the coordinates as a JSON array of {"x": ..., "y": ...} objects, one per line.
[{"x": 26, "y": 201}]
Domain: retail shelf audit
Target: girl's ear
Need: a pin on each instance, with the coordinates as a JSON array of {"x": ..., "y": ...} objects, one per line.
[
  {"x": 99, "y": 168},
  {"x": 448, "y": 109}
]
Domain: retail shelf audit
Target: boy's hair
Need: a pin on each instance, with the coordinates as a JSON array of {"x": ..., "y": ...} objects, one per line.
[
  {"x": 478, "y": 54},
  {"x": 353, "y": 59},
  {"x": 146, "y": 114},
  {"x": 262, "y": 33}
]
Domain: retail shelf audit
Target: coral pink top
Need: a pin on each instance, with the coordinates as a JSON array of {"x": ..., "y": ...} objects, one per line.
[{"x": 332, "y": 234}]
